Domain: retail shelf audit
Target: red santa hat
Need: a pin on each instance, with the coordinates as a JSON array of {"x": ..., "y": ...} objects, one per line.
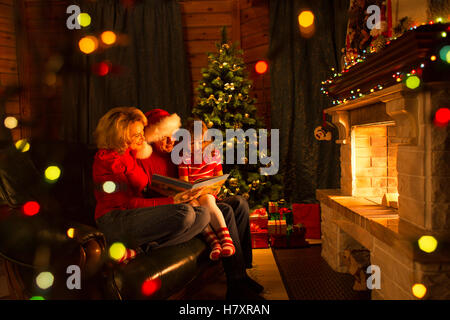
[{"x": 160, "y": 124}]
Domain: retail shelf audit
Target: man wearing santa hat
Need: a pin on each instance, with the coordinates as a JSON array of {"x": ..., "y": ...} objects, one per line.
[{"x": 235, "y": 209}]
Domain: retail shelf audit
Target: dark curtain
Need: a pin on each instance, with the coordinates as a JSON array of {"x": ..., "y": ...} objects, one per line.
[
  {"x": 149, "y": 71},
  {"x": 298, "y": 67}
]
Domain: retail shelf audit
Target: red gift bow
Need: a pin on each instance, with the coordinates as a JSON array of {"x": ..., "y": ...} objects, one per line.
[
  {"x": 283, "y": 210},
  {"x": 261, "y": 211},
  {"x": 254, "y": 227}
]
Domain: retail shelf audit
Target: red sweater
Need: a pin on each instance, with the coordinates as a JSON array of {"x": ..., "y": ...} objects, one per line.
[{"x": 129, "y": 180}]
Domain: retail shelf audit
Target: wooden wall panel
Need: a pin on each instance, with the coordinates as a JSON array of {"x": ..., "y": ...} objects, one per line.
[
  {"x": 8, "y": 62},
  {"x": 247, "y": 23},
  {"x": 255, "y": 24}
]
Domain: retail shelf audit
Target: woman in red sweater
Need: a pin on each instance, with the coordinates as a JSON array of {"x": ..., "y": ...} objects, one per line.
[{"x": 122, "y": 213}]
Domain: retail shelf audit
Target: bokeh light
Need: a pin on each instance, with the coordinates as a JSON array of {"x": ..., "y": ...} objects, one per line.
[
  {"x": 117, "y": 250},
  {"x": 11, "y": 122},
  {"x": 108, "y": 37},
  {"x": 261, "y": 67},
  {"x": 443, "y": 53},
  {"x": 109, "y": 187},
  {"x": 50, "y": 79},
  {"x": 419, "y": 290},
  {"x": 37, "y": 298},
  {"x": 413, "y": 82},
  {"x": 101, "y": 68},
  {"x": 52, "y": 173},
  {"x": 71, "y": 232},
  {"x": 22, "y": 145},
  {"x": 88, "y": 44},
  {"x": 150, "y": 286},
  {"x": 84, "y": 19},
  {"x": 306, "y": 19},
  {"x": 427, "y": 243},
  {"x": 44, "y": 280},
  {"x": 442, "y": 117},
  {"x": 433, "y": 58},
  {"x": 31, "y": 208}
]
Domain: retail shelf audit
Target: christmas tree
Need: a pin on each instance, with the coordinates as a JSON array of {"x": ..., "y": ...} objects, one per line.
[{"x": 224, "y": 102}]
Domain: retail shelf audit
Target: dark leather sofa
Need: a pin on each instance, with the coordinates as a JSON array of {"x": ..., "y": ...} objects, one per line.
[{"x": 32, "y": 244}]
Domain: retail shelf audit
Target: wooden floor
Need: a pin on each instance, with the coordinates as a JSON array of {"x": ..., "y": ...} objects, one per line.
[{"x": 264, "y": 271}]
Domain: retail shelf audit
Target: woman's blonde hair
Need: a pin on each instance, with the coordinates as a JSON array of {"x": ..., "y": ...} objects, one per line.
[{"x": 113, "y": 128}]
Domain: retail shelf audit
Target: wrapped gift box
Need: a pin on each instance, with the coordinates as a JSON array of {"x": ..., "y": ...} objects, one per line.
[
  {"x": 294, "y": 239},
  {"x": 260, "y": 239},
  {"x": 259, "y": 218},
  {"x": 277, "y": 227},
  {"x": 273, "y": 207},
  {"x": 309, "y": 216}
]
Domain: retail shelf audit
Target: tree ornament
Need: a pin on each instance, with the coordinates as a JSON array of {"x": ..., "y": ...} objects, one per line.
[
  {"x": 233, "y": 182},
  {"x": 210, "y": 124},
  {"x": 246, "y": 115}
]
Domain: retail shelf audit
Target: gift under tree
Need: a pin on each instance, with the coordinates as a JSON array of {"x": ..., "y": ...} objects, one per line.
[{"x": 224, "y": 102}]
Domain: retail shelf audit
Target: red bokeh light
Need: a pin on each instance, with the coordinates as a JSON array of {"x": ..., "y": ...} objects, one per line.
[
  {"x": 150, "y": 286},
  {"x": 442, "y": 117},
  {"x": 101, "y": 68},
  {"x": 31, "y": 208},
  {"x": 261, "y": 67}
]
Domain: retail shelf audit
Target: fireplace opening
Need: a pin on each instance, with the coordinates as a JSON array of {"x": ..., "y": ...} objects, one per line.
[{"x": 374, "y": 163}]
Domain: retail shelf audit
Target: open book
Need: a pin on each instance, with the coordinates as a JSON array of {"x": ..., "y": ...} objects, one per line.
[{"x": 184, "y": 190}]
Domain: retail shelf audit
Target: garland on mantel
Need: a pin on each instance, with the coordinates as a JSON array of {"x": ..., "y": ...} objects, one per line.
[{"x": 411, "y": 78}]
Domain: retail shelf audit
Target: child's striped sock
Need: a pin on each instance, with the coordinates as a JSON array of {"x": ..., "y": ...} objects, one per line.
[
  {"x": 228, "y": 248},
  {"x": 214, "y": 243}
]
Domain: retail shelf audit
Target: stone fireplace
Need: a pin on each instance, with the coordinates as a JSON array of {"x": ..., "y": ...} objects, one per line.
[
  {"x": 374, "y": 164},
  {"x": 395, "y": 175}
]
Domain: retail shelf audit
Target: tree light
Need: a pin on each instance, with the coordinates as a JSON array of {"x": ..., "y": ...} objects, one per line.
[
  {"x": 45, "y": 280},
  {"x": 11, "y": 122},
  {"x": 261, "y": 67},
  {"x": 84, "y": 19},
  {"x": 109, "y": 187},
  {"x": 306, "y": 19},
  {"x": 150, "y": 286},
  {"x": 88, "y": 44},
  {"x": 419, "y": 290},
  {"x": 108, "y": 37},
  {"x": 413, "y": 82},
  {"x": 442, "y": 117},
  {"x": 52, "y": 173},
  {"x": 427, "y": 243},
  {"x": 71, "y": 232},
  {"x": 22, "y": 145},
  {"x": 117, "y": 251},
  {"x": 31, "y": 208}
]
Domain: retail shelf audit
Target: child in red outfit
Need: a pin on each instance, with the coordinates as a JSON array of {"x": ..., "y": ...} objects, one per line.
[{"x": 218, "y": 236}]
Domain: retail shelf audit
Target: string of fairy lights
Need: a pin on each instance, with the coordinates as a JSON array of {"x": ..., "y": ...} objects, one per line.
[{"x": 411, "y": 77}]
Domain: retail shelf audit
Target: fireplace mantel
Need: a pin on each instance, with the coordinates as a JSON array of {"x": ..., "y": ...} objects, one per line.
[{"x": 394, "y": 104}]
